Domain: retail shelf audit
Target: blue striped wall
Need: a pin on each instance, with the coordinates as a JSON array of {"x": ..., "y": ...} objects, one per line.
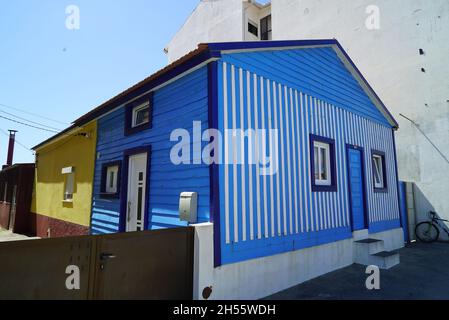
[
  {"x": 176, "y": 105},
  {"x": 298, "y": 92},
  {"x": 317, "y": 72}
]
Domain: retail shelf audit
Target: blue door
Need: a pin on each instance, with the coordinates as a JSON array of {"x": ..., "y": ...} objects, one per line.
[{"x": 356, "y": 188}]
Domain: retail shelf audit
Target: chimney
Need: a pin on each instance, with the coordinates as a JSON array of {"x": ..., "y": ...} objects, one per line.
[{"x": 12, "y": 139}]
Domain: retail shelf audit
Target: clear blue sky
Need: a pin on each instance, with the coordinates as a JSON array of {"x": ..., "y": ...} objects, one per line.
[{"x": 48, "y": 70}]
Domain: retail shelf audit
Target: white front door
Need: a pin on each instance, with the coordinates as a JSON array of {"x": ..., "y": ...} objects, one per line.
[{"x": 137, "y": 178}]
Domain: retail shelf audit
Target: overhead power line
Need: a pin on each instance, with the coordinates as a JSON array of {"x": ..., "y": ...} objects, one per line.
[
  {"x": 18, "y": 142},
  {"x": 30, "y": 121},
  {"x": 29, "y": 125},
  {"x": 33, "y": 114}
]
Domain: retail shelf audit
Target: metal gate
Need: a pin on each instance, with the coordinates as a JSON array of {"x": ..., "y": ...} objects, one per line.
[{"x": 139, "y": 265}]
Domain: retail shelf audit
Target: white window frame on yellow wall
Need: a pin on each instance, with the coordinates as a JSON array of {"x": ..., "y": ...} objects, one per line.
[{"x": 69, "y": 183}]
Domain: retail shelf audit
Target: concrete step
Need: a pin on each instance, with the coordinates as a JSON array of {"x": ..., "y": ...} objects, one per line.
[
  {"x": 386, "y": 259},
  {"x": 369, "y": 245},
  {"x": 369, "y": 251},
  {"x": 383, "y": 259}
]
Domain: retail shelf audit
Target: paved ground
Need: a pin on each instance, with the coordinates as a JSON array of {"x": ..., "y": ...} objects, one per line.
[
  {"x": 422, "y": 274},
  {"x": 9, "y": 236}
]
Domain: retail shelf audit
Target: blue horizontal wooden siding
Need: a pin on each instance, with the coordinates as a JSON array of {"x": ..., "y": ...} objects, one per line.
[
  {"x": 264, "y": 215},
  {"x": 176, "y": 105}
]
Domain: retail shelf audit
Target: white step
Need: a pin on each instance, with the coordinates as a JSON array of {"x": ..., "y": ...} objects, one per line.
[
  {"x": 370, "y": 246},
  {"x": 371, "y": 252}
]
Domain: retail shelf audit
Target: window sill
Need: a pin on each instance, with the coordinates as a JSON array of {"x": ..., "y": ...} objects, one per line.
[
  {"x": 67, "y": 201},
  {"x": 105, "y": 195},
  {"x": 383, "y": 190},
  {"x": 318, "y": 188},
  {"x": 134, "y": 130}
]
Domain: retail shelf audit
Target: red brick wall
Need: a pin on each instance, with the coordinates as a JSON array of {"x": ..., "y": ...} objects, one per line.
[{"x": 44, "y": 227}]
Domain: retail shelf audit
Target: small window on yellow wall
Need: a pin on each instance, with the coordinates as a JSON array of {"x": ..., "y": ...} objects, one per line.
[
  {"x": 69, "y": 186},
  {"x": 69, "y": 183}
]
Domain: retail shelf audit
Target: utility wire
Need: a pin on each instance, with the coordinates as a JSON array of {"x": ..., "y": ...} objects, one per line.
[
  {"x": 29, "y": 125},
  {"x": 30, "y": 121},
  {"x": 35, "y": 125},
  {"x": 33, "y": 114},
  {"x": 18, "y": 142},
  {"x": 417, "y": 126}
]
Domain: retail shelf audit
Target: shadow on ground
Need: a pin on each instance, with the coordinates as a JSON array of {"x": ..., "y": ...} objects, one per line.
[{"x": 422, "y": 274}]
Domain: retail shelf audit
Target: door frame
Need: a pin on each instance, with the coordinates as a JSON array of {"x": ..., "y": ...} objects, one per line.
[
  {"x": 124, "y": 185},
  {"x": 365, "y": 206},
  {"x": 12, "y": 209}
]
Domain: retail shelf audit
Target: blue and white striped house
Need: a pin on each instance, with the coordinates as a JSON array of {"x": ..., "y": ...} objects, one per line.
[
  {"x": 310, "y": 95},
  {"x": 334, "y": 180}
]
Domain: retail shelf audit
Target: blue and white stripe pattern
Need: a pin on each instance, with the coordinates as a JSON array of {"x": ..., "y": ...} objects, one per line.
[{"x": 269, "y": 211}]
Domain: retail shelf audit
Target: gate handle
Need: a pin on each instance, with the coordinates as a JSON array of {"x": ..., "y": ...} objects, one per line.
[{"x": 107, "y": 256}]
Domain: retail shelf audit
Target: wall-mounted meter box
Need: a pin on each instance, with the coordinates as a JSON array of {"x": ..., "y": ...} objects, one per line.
[{"x": 188, "y": 207}]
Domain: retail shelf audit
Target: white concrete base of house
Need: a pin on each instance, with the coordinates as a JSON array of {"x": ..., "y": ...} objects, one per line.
[{"x": 259, "y": 278}]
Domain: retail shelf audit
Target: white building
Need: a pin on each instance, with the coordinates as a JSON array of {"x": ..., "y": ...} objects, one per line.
[
  {"x": 400, "y": 46},
  {"x": 221, "y": 20}
]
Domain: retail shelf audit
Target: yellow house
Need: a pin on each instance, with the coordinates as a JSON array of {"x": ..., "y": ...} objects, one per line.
[{"x": 62, "y": 196}]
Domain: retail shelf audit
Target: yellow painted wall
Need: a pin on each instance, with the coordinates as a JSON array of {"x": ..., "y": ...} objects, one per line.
[{"x": 71, "y": 151}]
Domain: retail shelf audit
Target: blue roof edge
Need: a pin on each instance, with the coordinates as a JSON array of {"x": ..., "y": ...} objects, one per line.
[
  {"x": 393, "y": 120},
  {"x": 230, "y": 46},
  {"x": 205, "y": 52}
]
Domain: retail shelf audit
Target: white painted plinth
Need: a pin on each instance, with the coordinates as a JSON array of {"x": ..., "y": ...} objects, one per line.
[{"x": 259, "y": 278}]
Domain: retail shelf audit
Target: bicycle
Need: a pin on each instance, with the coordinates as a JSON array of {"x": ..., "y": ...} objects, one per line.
[{"x": 429, "y": 231}]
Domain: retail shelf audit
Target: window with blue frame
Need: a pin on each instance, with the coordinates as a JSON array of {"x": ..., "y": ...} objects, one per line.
[
  {"x": 110, "y": 180},
  {"x": 323, "y": 166},
  {"x": 138, "y": 115},
  {"x": 379, "y": 171}
]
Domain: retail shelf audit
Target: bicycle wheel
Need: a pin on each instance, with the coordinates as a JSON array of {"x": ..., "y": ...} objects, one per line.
[{"x": 427, "y": 232}]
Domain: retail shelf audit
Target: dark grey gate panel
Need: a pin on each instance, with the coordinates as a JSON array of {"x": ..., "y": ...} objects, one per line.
[
  {"x": 145, "y": 265},
  {"x": 35, "y": 269},
  {"x": 138, "y": 265}
]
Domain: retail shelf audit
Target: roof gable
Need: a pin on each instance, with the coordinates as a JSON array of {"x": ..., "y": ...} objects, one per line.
[
  {"x": 316, "y": 71},
  {"x": 214, "y": 51},
  {"x": 289, "y": 45}
]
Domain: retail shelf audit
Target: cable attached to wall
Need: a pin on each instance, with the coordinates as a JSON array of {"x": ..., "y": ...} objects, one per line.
[{"x": 428, "y": 139}]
